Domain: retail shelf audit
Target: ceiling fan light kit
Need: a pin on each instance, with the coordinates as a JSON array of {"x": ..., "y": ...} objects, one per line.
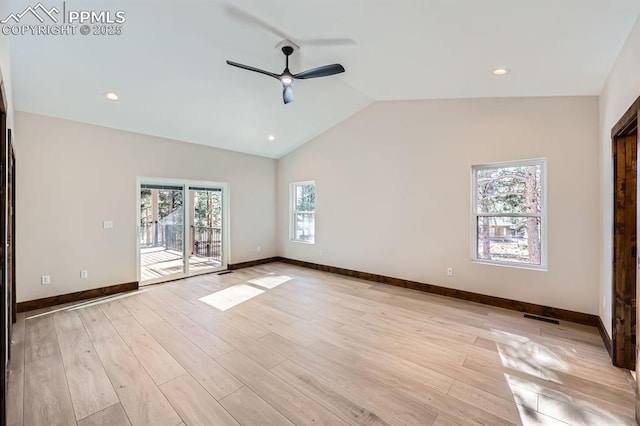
[{"x": 286, "y": 77}]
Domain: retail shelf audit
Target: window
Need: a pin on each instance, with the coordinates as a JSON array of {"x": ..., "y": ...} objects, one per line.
[
  {"x": 509, "y": 207},
  {"x": 303, "y": 211}
]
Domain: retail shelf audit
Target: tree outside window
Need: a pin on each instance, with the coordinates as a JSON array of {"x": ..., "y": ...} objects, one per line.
[
  {"x": 303, "y": 204},
  {"x": 509, "y": 212}
]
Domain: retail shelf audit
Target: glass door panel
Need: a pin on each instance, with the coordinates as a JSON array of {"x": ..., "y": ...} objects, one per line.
[
  {"x": 205, "y": 239},
  {"x": 162, "y": 237}
]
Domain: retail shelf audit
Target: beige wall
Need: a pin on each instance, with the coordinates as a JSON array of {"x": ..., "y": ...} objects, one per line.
[
  {"x": 620, "y": 91},
  {"x": 72, "y": 176},
  {"x": 393, "y": 193}
]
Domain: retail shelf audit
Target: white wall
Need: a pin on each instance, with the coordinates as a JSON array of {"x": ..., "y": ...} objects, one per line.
[
  {"x": 620, "y": 91},
  {"x": 72, "y": 176},
  {"x": 393, "y": 193}
]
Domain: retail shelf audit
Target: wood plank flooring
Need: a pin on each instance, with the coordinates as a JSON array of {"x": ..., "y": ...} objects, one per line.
[{"x": 307, "y": 348}]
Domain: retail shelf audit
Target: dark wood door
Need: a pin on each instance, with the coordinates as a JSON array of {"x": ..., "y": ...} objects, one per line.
[
  {"x": 11, "y": 231},
  {"x": 626, "y": 284},
  {"x": 625, "y": 250},
  {"x": 634, "y": 129},
  {"x": 5, "y": 331},
  {"x": 11, "y": 243}
]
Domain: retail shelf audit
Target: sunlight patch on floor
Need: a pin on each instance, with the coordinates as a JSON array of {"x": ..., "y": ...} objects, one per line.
[
  {"x": 522, "y": 395},
  {"x": 93, "y": 302},
  {"x": 230, "y": 297},
  {"x": 540, "y": 405},
  {"x": 270, "y": 281},
  {"x": 529, "y": 357},
  {"x": 530, "y": 417}
]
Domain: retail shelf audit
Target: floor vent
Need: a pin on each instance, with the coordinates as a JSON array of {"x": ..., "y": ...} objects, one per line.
[
  {"x": 552, "y": 321},
  {"x": 225, "y": 272}
]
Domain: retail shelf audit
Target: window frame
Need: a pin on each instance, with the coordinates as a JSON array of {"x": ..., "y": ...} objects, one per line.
[
  {"x": 293, "y": 212},
  {"x": 542, "y": 162}
]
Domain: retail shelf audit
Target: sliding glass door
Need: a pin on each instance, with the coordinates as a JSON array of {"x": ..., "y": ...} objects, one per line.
[
  {"x": 161, "y": 232},
  {"x": 181, "y": 229}
]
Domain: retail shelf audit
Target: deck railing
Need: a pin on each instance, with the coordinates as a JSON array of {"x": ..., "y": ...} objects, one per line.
[{"x": 205, "y": 241}]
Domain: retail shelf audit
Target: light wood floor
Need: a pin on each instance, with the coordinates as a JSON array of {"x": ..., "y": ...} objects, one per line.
[{"x": 306, "y": 347}]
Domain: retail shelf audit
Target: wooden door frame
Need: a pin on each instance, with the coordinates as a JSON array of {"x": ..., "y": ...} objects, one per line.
[{"x": 622, "y": 128}]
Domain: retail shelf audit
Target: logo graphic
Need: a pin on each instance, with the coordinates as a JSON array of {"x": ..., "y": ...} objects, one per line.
[
  {"x": 42, "y": 21},
  {"x": 33, "y": 10}
]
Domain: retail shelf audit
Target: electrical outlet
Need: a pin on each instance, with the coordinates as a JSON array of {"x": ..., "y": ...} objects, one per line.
[
  {"x": 45, "y": 280},
  {"x": 84, "y": 274},
  {"x": 258, "y": 248},
  {"x": 321, "y": 252},
  {"x": 107, "y": 224},
  {"x": 449, "y": 272}
]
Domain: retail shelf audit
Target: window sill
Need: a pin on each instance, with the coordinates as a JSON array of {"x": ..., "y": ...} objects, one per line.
[
  {"x": 539, "y": 268},
  {"x": 302, "y": 242}
]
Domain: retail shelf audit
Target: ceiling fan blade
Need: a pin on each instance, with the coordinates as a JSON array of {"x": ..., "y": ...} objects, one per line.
[
  {"x": 249, "y": 18},
  {"x": 323, "y": 71},
  {"x": 287, "y": 94},
  {"x": 245, "y": 16},
  {"x": 254, "y": 69},
  {"x": 327, "y": 42}
]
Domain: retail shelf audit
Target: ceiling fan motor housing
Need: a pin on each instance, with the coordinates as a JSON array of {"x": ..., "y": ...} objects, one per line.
[{"x": 287, "y": 50}]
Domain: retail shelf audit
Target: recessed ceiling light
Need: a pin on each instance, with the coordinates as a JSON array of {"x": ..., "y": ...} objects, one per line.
[
  {"x": 271, "y": 138},
  {"x": 111, "y": 96},
  {"x": 501, "y": 71}
]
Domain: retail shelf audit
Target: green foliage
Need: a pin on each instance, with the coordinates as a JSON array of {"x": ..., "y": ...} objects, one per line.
[
  {"x": 305, "y": 197},
  {"x": 145, "y": 207},
  {"x": 208, "y": 209},
  {"x": 502, "y": 190},
  {"x": 168, "y": 202}
]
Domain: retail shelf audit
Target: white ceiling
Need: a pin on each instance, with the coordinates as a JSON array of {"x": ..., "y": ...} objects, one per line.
[{"x": 169, "y": 65}]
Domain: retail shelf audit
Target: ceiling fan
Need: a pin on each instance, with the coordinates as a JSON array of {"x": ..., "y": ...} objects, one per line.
[{"x": 286, "y": 77}]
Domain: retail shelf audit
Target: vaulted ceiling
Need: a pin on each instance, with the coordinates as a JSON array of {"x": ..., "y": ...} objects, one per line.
[{"x": 168, "y": 67}]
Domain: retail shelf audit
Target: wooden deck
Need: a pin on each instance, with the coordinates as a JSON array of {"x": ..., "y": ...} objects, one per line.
[
  {"x": 282, "y": 345},
  {"x": 157, "y": 262}
]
